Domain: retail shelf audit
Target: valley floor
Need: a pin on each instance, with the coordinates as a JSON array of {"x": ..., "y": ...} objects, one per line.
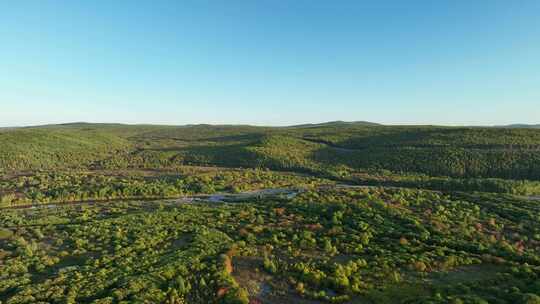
[{"x": 302, "y": 240}]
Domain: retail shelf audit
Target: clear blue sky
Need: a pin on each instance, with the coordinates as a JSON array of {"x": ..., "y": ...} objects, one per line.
[{"x": 270, "y": 62}]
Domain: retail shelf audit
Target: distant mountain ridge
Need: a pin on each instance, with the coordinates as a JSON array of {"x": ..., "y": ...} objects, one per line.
[
  {"x": 337, "y": 123},
  {"x": 522, "y": 126},
  {"x": 81, "y": 124}
]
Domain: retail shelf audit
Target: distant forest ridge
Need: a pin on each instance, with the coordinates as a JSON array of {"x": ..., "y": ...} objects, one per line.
[
  {"x": 322, "y": 124},
  {"x": 329, "y": 149}
]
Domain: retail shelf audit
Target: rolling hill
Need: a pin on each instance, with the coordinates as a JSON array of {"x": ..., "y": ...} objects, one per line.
[{"x": 327, "y": 148}]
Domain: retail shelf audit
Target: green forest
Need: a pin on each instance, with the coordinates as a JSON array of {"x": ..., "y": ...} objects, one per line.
[{"x": 311, "y": 214}]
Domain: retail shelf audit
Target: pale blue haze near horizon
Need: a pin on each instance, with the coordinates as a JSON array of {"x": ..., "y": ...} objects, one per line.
[{"x": 270, "y": 62}]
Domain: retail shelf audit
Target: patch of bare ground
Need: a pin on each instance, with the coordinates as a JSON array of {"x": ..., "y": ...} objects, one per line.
[{"x": 262, "y": 287}]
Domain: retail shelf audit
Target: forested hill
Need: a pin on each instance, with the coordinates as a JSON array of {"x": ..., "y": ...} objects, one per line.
[
  {"x": 524, "y": 126},
  {"x": 338, "y": 123},
  {"x": 331, "y": 148}
]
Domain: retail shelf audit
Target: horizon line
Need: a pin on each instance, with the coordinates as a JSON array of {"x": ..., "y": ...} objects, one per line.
[{"x": 366, "y": 122}]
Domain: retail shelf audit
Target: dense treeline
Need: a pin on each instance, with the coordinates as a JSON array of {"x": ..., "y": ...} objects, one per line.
[
  {"x": 60, "y": 187},
  {"x": 446, "y": 161},
  {"x": 423, "y": 136},
  {"x": 495, "y": 185}
]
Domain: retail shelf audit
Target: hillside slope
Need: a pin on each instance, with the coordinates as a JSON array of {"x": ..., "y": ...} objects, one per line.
[
  {"x": 328, "y": 149},
  {"x": 49, "y": 148}
]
